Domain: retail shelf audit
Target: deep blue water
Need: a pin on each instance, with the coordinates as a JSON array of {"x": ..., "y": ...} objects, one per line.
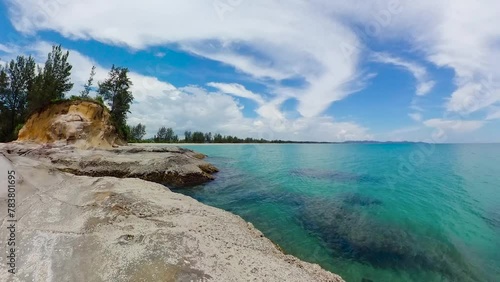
[{"x": 381, "y": 212}]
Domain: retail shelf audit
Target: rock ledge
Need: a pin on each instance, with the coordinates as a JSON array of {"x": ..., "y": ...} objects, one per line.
[
  {"x": 168, "y": 165},
  {"x": 81, "y": 228}
]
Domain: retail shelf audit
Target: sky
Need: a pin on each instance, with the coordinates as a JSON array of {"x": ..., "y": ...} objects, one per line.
[{"x": 302, "y": 70}]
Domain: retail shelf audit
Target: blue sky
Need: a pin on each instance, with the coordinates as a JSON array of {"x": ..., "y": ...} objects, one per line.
[{"x": 309, "y": 70}]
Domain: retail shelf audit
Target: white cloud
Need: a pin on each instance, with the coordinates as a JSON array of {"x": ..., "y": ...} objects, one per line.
[
  {"x": 310, "y": 40},
  {"x": 264, "y": 39},
  {"x": 460, "y": 126},
  {"x": 424, "y": 84},
  {"x": 237, "y": 90},
  {"x": 461, "y": 35},
  {"x": 160, "y": 54},
  {"x": 416, "y": 116},
  {"x": 411, "y": 133},
  {"x": 7, "y": 48},
  {"x": 472, "y": 97},
  {"x": 494, "y": 114},
  {"x": 158, "y": 103},
  {"x": 195, "y": 108},
  {"x": 189, "y": 108},
  {"x": 425, "y": 87},
  {"x": 242, "y": 63},
  {"x": 143, "y": 86}
]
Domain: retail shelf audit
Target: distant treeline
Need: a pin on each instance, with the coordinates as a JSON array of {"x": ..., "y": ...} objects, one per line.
[{"x": 167, "y": 135}]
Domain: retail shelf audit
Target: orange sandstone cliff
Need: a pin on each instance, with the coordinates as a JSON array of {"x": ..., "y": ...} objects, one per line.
[{"x": 84, "y": 124}]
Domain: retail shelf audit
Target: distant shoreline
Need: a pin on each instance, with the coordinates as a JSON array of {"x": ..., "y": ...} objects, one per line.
[
  {"x": 304, "y": 143},
  {"x": 287, "y": 142}
]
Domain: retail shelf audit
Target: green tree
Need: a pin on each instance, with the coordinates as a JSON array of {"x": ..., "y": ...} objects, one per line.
[
  {"x": 3, "y": 110},
  {"x": 166, "y": 135},
  {"x": 170, "y": 135},
  {"x": 53, "y": 81},
  {"x": 161, "y": 135},
  {"x": 137, "y": 133},
  {"x": 198, "y": 137},
  {"x": 218, "y": 138},
  {"x": 88, "y": 87},
  {"x": 115, "y": 90},
  {"x": 175, "y": 139},
  {"x": 16, "y": 80},
  {"x": 208, "y": 137},
  {"x": 188, "y": 136}
]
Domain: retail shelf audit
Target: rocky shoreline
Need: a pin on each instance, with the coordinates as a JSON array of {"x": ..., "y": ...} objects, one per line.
[
  {"x": 168, "y": 165},
  {"x": 96, "y": 215}
]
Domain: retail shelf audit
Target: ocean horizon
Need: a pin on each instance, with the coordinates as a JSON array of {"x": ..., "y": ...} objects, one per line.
[{"x": 369, "y": 212}]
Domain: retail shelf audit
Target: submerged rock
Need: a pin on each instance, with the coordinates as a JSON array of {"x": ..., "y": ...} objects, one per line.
[
  {"x": 354, "y": 234},
  {"x": 356, "y": 199},
  {"x": 333, "y": 175},
  {"x": 79, "y": 228}
]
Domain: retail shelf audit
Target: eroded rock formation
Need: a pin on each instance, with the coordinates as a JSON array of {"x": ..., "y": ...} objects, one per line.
[
  {"x": 168, "y": 165},
  {"x": 84, "y": 124}
]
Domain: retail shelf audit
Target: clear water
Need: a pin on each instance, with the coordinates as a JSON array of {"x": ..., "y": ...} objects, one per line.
[{"x": 383, "y": 212}]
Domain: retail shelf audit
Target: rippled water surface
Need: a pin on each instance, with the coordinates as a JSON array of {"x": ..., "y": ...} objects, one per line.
[{"x": 382, "y": 212}]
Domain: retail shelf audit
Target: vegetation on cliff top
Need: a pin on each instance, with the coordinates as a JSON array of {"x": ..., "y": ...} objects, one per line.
[{"x": 26, "y": 88}]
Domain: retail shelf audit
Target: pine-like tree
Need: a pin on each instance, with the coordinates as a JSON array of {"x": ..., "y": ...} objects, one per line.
[
  {"x": 137, "y": 132},
  {"x": 88, "y": 87},
  {"x": 53, "y": 81},
  {"x": 16, "y": 80},
  {"x": 115, "y": 90}
]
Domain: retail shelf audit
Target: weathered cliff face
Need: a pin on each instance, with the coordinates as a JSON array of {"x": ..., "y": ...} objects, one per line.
[{"x": 84, "y": 124}]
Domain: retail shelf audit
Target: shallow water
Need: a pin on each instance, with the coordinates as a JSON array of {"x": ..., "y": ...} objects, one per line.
[{"x": 381, "y": 212}]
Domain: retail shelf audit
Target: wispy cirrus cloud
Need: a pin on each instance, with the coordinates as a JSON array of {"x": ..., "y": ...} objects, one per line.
[
  {"x": 461, "y": 36},
  {"x": 424, "y": 83},
  {"x": 7, "y": 48},
  {"x": 160, "y": 54},
  {"x": 237, "y": 90},
  {"x": 263, "y": 39},
  {"x": 416, "y": 116},
  {"x": 461, "y": 126},
  {"x": 158, "y": 103},
  {"x": 493, "y": 114}
]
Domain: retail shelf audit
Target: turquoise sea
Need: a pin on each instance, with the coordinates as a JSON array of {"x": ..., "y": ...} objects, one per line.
[{"x": 369, "y": 212}]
